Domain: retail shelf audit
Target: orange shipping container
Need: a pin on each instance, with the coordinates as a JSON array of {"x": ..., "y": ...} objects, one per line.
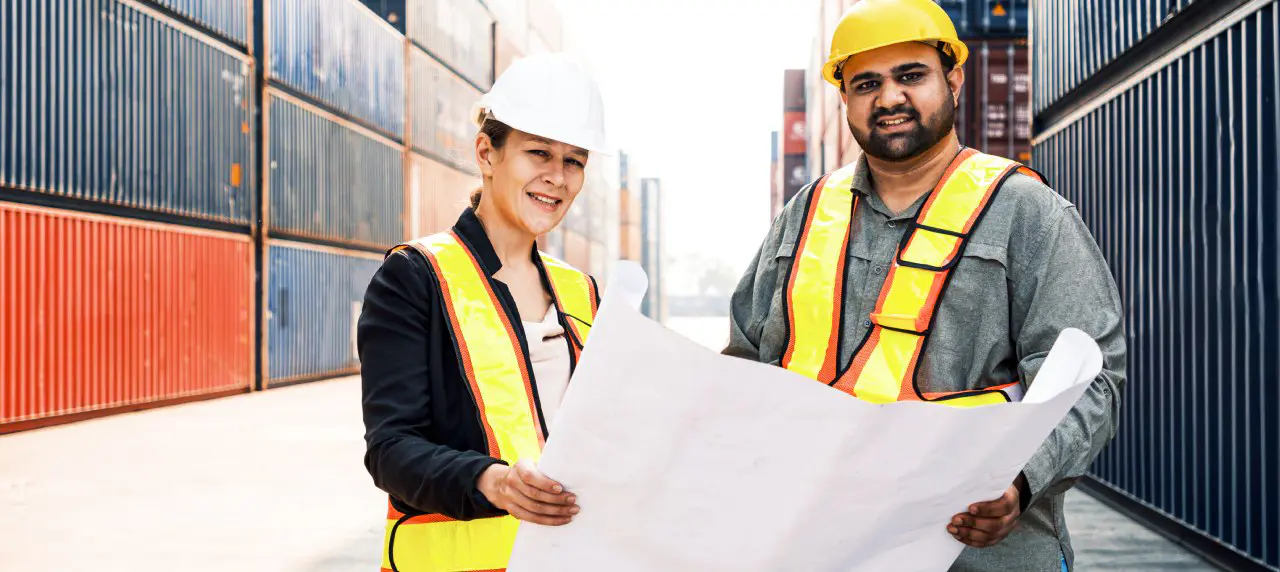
[
  {"x": 103, "y": 313},
  {"x": 437, "y": 194}
]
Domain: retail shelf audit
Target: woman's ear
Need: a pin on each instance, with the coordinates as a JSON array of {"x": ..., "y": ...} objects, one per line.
[{"x": 486, "y": 155}]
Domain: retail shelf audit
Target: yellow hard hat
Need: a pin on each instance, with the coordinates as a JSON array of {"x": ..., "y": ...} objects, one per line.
[{"x": 872, "y": 24}]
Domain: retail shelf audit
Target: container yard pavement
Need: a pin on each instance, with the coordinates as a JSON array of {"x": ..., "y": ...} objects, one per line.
[
  {"x": 273, "y": 481},
  {"x": 270, "y": 481}
]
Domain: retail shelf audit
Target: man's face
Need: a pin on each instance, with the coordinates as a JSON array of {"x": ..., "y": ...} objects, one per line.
[{"x": 900, "y": 102}]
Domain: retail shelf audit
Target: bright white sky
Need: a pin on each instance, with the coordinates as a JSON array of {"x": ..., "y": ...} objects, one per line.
[{"x": 692, "y": 89}]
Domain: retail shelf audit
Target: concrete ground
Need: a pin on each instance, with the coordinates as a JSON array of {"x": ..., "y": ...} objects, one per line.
[{"x": 273, "y": 481}]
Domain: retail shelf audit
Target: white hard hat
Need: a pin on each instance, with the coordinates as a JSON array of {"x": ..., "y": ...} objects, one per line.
[{"x": 549, "y": 95}]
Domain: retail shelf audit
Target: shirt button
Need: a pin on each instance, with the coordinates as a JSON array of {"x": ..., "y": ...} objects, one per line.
[
  {"x": 878, "y": 269},
  {"x": 866, "y": 323},
  {"x": 891, "y": 224}
]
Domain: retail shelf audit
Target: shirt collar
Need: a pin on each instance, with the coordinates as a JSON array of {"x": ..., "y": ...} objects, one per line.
[{"x": 864, "y": 186}]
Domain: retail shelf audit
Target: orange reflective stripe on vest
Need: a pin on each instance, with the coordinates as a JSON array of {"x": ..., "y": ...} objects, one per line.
[
  {"x": 815, "y": 289},
  {"x": 577, "y": 295},
  {"x": 497, "y": 370},
  {"x": 884, "y": 367}
]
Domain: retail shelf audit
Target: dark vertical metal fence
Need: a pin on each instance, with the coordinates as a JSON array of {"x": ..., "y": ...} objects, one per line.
[{"x": 1176, "y": 175}]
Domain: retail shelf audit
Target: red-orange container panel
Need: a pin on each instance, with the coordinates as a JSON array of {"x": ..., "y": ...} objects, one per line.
[{"x": 100, "y": 312}]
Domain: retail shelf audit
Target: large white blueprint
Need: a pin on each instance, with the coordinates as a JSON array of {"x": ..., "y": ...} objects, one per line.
[{"x": 684, "y": 459}]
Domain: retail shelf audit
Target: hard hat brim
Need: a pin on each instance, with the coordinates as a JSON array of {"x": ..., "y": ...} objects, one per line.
[
  {"x": 480, "y": 112},
  {"x": 833, "y": 64}
]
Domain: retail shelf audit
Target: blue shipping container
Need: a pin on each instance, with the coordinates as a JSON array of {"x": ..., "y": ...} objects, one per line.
[
  {"x": 440, "y": 108},
  {"x": 229, "y": 18},
  {"x": 1071, "y": 41},
  {"x": 330, "y": 179},
  {"x": 314, "y": 298},
  {"x": 1176, "y": 176},
  {"x": 987, "y": 19},
  {"x": 999, "y": 18},
  {"x": 958, "y": 10},
  {"x": 459, "y": 33},
  {"x": 342, "y": 55},
  {"x": 111, "y": 101}
]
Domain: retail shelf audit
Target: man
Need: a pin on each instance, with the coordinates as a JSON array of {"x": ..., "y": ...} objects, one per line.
[{"x": 928, "y": 271}]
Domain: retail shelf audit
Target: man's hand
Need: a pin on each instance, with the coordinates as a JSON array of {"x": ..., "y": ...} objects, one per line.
[
  {"x": 987, "y": 523},
  {"x": 527, "y": 494}
]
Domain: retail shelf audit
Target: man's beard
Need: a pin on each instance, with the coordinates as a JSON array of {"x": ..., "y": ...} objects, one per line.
[{"x": 909, "y": 144}]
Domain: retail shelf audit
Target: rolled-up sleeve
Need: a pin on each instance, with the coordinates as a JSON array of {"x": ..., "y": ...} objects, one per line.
[{"x": 1067, "y": 284}]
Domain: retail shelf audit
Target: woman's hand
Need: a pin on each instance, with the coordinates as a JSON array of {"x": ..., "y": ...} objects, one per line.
[{"x": 527, "y": 494}]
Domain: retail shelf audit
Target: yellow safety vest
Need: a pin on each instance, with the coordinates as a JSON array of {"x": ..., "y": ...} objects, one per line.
[
  {"x": 885, "y": 365},
  {"x": 497, "y": 371}
]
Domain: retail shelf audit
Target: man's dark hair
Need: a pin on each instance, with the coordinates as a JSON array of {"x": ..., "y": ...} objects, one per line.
[{"x": 948, "y": 60}]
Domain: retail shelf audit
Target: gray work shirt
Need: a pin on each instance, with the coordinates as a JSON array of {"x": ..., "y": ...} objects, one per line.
[{"x": 1030, "y": 270}]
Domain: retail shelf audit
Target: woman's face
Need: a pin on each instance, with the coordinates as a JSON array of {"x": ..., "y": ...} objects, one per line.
[{"x": 533, "y": 179}]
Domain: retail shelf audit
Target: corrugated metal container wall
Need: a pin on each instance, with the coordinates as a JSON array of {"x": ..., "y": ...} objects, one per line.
[
  {"x": 1063, "y": 61},
  {"x": 459, "y": 33},
  {"x": 228, "y": 18},
  {"x": 101, "y": 312},
  {"x": 112, "y": 102},
  {"x": 437, "y": 195},
  {"x": 342, "y": 54},
  {"x": 330, "y": 179},
  {"x": 1176, "y": 177},
  {"x": 995, "y": 108},
  {"x": 314, "y": 300},
  {"x": 441, "y": 104}
]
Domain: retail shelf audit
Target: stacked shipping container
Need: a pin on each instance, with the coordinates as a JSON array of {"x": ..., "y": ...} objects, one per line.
[
  {"x": 995, "y": 107},
  {"x": 140, "y": 265},
  {"x": 1165, "y": 138},
  {"x": 119, "y": 109},
  {"x": 113, "y": 103},
  {"x": 794, "y": 139},
  {"x": 333, "y": 178}
]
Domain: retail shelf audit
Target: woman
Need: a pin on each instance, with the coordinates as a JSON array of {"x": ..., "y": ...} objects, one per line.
[{"x": 467, "y": 338}]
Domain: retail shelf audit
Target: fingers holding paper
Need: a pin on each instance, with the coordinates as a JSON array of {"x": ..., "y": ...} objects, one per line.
[
  {"x": 987, "y": 523},
  {"x": 527, "y": 494}
]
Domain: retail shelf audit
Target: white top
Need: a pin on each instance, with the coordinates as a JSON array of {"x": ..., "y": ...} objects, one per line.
[{"x": 549, "y": 355}]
